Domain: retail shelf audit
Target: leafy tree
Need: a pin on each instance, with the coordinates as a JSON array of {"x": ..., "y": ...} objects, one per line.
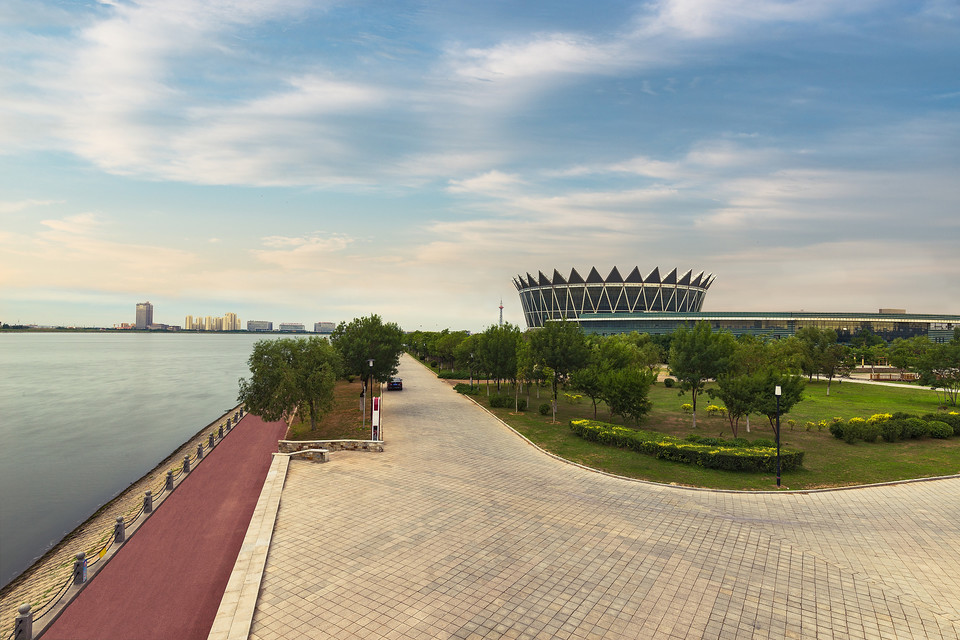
[
  {"x": 560, "y": 346},
  {"x": 291, "y": 374},
  {"x": 813, "y": 342},
  {"x": 939, "y": 368},
  {"x": 498, "y": 351},
  {"x": 836, "y": 361},
  {"x": 626, "y": 391},
  {"x": 739, "y": 393},
  {"x": 366, "y": 338},
  {"x": 588, "y": 382},
  {"x": 698, "y": 355},
  {"x": 791, "y": 388}
]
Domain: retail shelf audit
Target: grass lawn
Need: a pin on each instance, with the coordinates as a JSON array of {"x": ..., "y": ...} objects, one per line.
[
  {"x": 342, "y": 422},
  {"x": 828, "y": 462}
]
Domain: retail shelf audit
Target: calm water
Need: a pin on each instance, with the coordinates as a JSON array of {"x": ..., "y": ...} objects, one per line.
[{"x": 84, "y": 415}]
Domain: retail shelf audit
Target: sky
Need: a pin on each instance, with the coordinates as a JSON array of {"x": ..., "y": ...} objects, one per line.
[{"x": 304, "y": 161}]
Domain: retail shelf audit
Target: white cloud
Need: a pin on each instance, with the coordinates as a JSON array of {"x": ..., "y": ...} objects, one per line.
[
  {"x": 312, "y": 252},
  {"x": 20, "y": 205}
]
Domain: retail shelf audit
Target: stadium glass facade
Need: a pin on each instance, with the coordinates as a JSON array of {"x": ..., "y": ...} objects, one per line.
[{"x": 658, "y": 305}]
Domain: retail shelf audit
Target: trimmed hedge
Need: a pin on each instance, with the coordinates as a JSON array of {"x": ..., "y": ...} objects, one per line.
[
  {"x": 465, "y": 389},
  {"x": 454, "y": 375},
  {"x": 897, "y": 426},
  {"x": 722, "y": 455}
]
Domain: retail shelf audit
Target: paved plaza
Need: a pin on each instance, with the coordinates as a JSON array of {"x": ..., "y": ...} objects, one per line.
[{"x": 461, "y": 529}]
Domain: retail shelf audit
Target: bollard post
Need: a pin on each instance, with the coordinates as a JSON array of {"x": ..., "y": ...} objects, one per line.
[
  {"x": 199, "y": 451},
  {"x": 148, "y": 502},
  {"x": 228, "y": 424},
  {"x": 211, "y": 440},
  {"x": 169, "y": 480},
  {"x": 23, "y": 627},
  {"x": 235, "y": 414},
  {"x": 186, "y": 464},
  {"x": 221, "y": 432},
  {"x": 119, "y": 530},
  {"x": 80, "y": 568}
]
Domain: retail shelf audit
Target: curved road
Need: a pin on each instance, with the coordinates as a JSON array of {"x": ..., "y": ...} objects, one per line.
[{"x": 461, "y": 529}]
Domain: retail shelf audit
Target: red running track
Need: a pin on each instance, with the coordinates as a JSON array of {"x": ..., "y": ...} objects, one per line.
[{"x": 168, "y": 579}]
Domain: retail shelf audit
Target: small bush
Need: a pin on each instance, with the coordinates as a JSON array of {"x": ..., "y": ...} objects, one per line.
[
  {"x": 763, "y": 443},
  {"x": 499, "y": 402},
  {"x": 791, "y": 423},
  {"x": 892, "y": 430},
  {"x": 870, "y": 432},
  {"x": 669, "y": 382},
  {"x": 709, "y": 442},
  {"x": 454, "y": 375},
  {"x": 837, "y": 430},
  {"x": 740, "y": 442},
  {"x": 433, "y": 364},
  {"x": 952, "y": 419},
  {"x": 851, "y": 432},
  {"x": 351, "y": 378},
  {"x": 686, "y": 407},
  {"x": 939, "y": 429},
  {"x": 715, "y": 410},
  {"x": 544, "y": 409},
  {"x": 521, "y": 404},
  {"x": 914, "y": 428},
  {"x": 465, "y": 389},
  {"x": 693, "y": 438},
  {"x": 877, "y": 418}
]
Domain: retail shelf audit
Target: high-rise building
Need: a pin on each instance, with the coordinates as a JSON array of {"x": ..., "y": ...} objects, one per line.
[
  {"x": 144, "y": 315},
  {"x": 188, "y": 323},
  {"x": 323, "y": 327},
  {"x": 231, "y": 322},
  {"x": 294, "y": 327}
]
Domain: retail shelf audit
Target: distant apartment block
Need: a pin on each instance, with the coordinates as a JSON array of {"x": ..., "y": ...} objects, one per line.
[
  {"x": 259, "y": 325},
  {"x": 188, "y": 323},
  {"x": 144, "y": 315},
  {"x": 323, "y": 327},
  {"x": 231, "y": 322},
  {"x": 291, "y": 326}
]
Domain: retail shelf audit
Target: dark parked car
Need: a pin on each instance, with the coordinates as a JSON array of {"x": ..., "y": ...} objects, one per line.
[{"x": 395, "y": 384}]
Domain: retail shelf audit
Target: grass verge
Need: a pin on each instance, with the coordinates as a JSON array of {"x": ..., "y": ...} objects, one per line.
[{"x": 342, "y": 422}]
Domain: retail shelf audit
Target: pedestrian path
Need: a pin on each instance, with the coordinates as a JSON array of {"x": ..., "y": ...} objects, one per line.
[
  {"x": 168, "y": 579},
  {"x": 461, "y": 529}
]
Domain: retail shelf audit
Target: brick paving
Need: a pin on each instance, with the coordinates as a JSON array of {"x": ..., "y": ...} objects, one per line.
[{"x": 461, "y": 529}]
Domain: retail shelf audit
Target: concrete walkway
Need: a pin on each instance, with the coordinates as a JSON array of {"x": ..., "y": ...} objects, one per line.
[{"x": 461, "y": 529}]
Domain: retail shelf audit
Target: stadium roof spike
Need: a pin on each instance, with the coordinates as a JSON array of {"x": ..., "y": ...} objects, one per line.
[
  {"x": 671, "y": 277},
  {"x": 685, "y": 278},
  {"x": 696, "y": 281},
  {"x": 709, "y": 281},
  {"x": 543, "y": 280},
  {"x": 575, "y": 278},
  {"x": 517, "y": 284},
  {"x": 653, "y": 276},
  {"x": 594, "y": 276},
  {"x": 614, "y": 276},
  {"x": 531, "y": 281},
  {"x": 635, "y": 276},
  {"x": 557, "y": 278}
]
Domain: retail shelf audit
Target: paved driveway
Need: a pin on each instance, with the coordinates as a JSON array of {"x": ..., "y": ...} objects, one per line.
[{"x": 460, "y": 529}]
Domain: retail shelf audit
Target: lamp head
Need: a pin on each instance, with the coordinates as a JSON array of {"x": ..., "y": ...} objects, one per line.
[{"x": 776, "y": 391}]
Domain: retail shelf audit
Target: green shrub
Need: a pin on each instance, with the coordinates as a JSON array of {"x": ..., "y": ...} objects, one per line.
[
  {"x": 837, "y": 430},
  {"x": 693, "y": 437},
  {"x": 763, "y": 442},
  {"x": 465, "y": 389},
  {"x": 670, "y": 448},
  {"x": 952, "y": 419},
  {"x": 939, "y": 429},
  {"x": 454, "y": 375},
  {"x": 716, "y": 410},
  {"x": 851, "y": 432},
  {"x": 870, "y": 432},
  {"x": 739, "y": 442},
  {"x": 521, "y": 404},
  {"x": 892, "y": 430},
  {"x": 433, "y": 364},
  {"x": 545, "y": 409},
  {"x": 499, "y": 402},
  {"x": 914, "y": 428},
  {"x": 686, "y": 407},
  {"x": 669, "y": 382},
  {"x": 351, "y": 378}
]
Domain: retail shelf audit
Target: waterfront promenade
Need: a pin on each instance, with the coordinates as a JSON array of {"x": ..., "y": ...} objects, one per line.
[
  {"x": 461, "y": 529},
  {"x": 167, "y": 580}
]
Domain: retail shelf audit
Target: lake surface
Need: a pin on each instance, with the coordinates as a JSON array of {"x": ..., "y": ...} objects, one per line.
[{"x": 83, "y": 415}]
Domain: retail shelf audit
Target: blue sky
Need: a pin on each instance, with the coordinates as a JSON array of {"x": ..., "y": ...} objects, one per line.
[{"x": 300, "y": 161}]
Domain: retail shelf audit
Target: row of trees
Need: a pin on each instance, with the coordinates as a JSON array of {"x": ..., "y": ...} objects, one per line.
[{"x": 290, "y": 375}]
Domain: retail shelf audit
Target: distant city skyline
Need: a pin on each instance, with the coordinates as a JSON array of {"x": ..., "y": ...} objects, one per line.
[{"x": 297, "y": 160}]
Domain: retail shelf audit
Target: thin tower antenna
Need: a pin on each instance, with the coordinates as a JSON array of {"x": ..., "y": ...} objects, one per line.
[{"x": 501, "y": 312}]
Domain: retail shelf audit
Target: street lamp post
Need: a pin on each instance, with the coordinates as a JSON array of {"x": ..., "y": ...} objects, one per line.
[
  {"x": 777, "y": 392},
  {"x": 471, "y": 372},
  {"x": 370, "y": 386}
]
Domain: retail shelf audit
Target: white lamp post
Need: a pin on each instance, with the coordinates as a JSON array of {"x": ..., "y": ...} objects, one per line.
[{"x": 777, "y": 392}]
